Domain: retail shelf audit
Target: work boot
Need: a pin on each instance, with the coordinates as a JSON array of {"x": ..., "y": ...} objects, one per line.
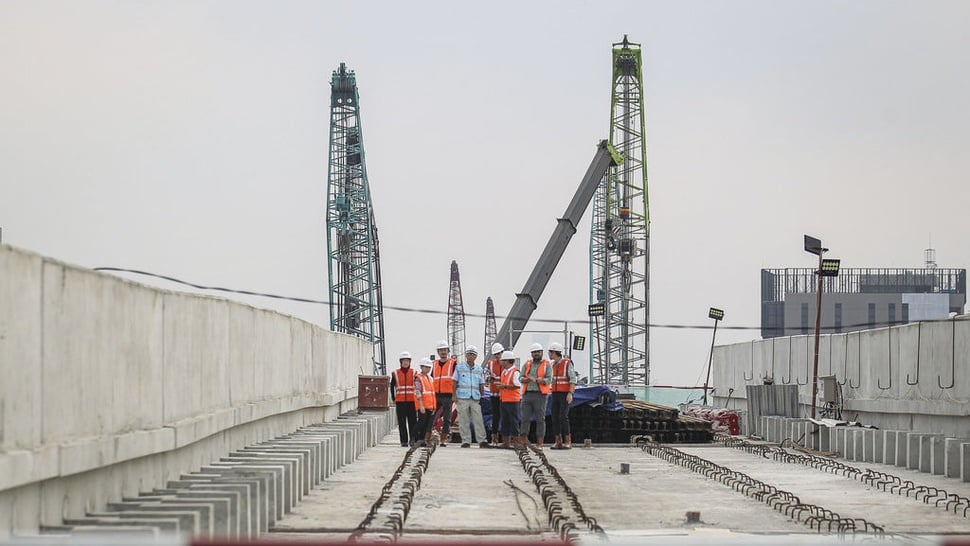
[
  {"x": 539, "y": 443},
  {"x": 569, "y": 442},
  {"x": 494, "y": 439},
  {"x": 558, "y": 444}
]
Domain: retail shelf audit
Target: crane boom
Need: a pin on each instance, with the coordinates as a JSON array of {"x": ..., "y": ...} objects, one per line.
[{"x": 527, "y": 300}]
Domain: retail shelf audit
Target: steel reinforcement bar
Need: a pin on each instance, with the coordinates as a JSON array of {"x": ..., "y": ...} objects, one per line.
[
  {"x": 385, "y": 520},
  {"x": 566, "y": 514},
  {"x": 816, "y": 517},
  {"x": 883, "y": 481}
]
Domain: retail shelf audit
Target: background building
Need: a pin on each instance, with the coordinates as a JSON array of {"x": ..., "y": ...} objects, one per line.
[{"x": 858, "y": 298}]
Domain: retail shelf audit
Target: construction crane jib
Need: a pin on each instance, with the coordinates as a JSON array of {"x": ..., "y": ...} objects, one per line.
[{"x": 527, "y": 300}]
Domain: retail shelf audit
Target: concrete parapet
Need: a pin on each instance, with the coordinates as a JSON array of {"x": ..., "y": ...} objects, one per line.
[
  {"x": 902, "y": 448},
  {"x": 965, "y": 462},
  {"x": 937, "y": 455},
  {"x": 889, "y": 447},
  {"x": 878, "y": 446},
  {"x": 951, "y": 457},
  {"x": 112, "y": 387},
  {"x": 913, "y": 450}
]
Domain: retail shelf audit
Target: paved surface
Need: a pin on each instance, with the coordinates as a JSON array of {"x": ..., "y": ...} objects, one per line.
[{"x": 468, "y": 494}]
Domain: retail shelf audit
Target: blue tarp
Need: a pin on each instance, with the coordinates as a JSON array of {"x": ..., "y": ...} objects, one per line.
[{"x": 594, "y": 395}]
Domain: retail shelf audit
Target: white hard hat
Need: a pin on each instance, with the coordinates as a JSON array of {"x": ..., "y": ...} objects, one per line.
[
  {"x": 497, "y": 348},
  {"x": 425, "y": 362},
  {"x": 471, "y": 350},
  {"x": 442, "y": 345},
  {"x": 556, "y": 346},
  {"x": 535, "y": 347},
  {"x": 508, "y": 355},
  {"x": 403, "y": 355}
]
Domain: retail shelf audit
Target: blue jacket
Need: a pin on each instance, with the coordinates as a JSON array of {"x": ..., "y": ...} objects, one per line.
[{"x": 468, "y": 381}]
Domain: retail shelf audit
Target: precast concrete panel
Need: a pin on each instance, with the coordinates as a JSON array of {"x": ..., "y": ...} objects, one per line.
[
  {"x": 102, "y": 340},
  {"x": 937, "y": 358},
  {"x": 780, "y": 360},
  {"x": 961, "y": 362},
  {"x": 761, "y": 365},
  {"x": 272, "y": 345},
  {"x": 242, "y": 355},
  {"x": 21, "y": 399},
  {"x": 301, "y": 355},
  {"x": 838, "y": 354},
  {"x": 196, "y": 355}
]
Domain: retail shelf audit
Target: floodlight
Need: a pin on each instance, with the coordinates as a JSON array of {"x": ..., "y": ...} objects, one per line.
[
  {"x": 715, "y": 313},
  {"x": 830, "y": 267},
  {"x": 596, "y": 309},
  {"x": 579, "y": 343}
]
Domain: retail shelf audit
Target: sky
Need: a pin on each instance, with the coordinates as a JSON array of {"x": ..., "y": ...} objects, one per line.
[{"x": 190, "y": 138}]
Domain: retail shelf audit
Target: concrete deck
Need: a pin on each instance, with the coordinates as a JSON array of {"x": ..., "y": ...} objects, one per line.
[{"x": 464, "y": 496}]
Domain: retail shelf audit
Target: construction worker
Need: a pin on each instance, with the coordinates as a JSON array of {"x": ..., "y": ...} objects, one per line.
[
  {"x": 510, "y": 393},
  {"x": 493, "y": 371},
  {"x": 424, "y": 402},
  {"x": 469, "y": 390},
  {"x": 444, "y": 387},
  {"x": 536, "y": 386},
  {"x": 563, "y": 387},
  {"x": 402, "y": 389}
]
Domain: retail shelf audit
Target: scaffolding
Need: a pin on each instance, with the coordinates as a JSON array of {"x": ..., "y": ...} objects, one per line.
[
  {"x": 619, "y": 252},
  {"x": 456, "y": 313},
  {"x": 356, "y": 305}
]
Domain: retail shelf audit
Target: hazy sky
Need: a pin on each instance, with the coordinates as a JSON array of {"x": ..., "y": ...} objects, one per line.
[{"x": 190, "y": 139}]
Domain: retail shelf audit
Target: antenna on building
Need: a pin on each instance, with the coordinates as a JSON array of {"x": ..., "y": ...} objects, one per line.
[{"x": 929, "y": 255}]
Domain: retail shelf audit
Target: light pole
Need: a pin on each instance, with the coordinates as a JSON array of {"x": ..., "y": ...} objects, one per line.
[
  {"x": 717, "y": 315},
  {"x": 826, "y": 268}
]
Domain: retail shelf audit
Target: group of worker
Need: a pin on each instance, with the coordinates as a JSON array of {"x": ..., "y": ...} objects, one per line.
[{"x": 516, "y": 396}]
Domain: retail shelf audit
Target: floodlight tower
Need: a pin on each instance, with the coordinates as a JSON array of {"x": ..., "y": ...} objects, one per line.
[
  {"x": 356, "y": 305},
  {"x": 619, "y": 250},
  {"x": 456, "y": 313},
  {"x": 491, "y": 331}
]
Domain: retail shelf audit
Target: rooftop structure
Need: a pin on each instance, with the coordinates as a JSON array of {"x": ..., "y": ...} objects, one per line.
[{"x": 858, "y": 298}]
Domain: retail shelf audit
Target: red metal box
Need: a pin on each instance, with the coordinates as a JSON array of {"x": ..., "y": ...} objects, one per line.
[{"x": 373, "y": 392}]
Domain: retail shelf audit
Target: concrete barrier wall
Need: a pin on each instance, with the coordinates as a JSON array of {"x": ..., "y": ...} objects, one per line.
[
  {"x": 914, "y": 377},
  {"x": 98, "y": 371}
]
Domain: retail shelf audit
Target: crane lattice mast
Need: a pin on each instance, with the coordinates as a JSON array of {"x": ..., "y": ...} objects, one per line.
[
  {"x": 619, "y": 253},
  {"x": 456, "y": 313},
  {"x": 491, "y": 331},
  {"x": 356, "y": 304}
]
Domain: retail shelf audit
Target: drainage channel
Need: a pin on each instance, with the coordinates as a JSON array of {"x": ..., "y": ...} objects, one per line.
[
  {"x": 815, "y": 516},
  {"x": 242, "y": 494}
]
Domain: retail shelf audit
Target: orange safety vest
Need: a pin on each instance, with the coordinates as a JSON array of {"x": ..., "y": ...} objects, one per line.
[
  {"x": 427, "y": 394},
  {"x": 509, "y": 395},
  {"x": 560, "y": 375},
  {"x": 495, "y": 369},
  {"x": 404, "y": 385},
  {"x": 544, "y": 389},
  {"x": 442, "y": 373}
]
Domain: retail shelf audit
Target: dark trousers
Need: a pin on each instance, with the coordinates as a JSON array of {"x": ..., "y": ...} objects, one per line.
[
  {"x": 560, "y": 414},
  {"x": 425, "y": 422},
  {"x": 496, "y": 413},
  {"x": 407, "y": 421},
  {"x": 444, "y": 402},
  {"x": 510, "y": 419}
]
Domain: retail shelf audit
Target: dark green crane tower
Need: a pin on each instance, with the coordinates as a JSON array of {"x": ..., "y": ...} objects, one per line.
[
  {"x": 619, "y": 252},
  {"x": 354, "y": 268}
]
